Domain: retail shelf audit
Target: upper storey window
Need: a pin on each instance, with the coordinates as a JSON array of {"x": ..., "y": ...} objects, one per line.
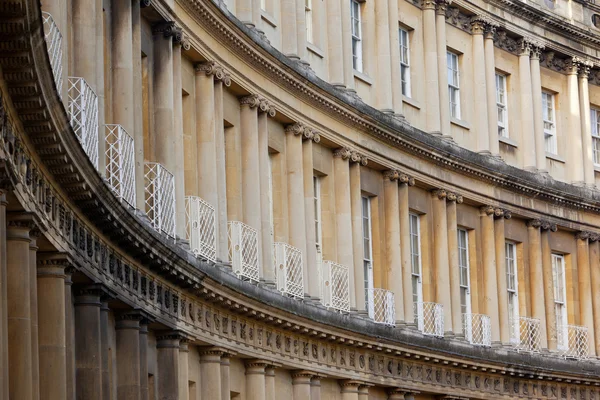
[
  {"x": 595, "y": 119},
  {"x": 549, "y": 122},
  {"x": 501, "y": 105},
  {"x": 463, "y": 268},
  {"x": 453, "y": 84},
  {"x": 357, "y": 58},
  {"x": 560, "y": 298},
  {"x": 309, "y": 22},
  {"x": 404, "y": 61},
  {"x": 415, "y": 256},
  {"x": 512, "y": 287}
]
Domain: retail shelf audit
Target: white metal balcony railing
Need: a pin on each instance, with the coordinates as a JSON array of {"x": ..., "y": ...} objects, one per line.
[
  {"x": 243, "y": 250},
  {"x": 159, "y": 188},
  {"x": 336, "y": 286},
  {"x": 53, "y": 39},
  {"x": 573, "y": 341},
  {"x": 120, "y": 163},
  {"x": 429, "y": 318},
  {"x": 201, "y": 229},
  {"x": 525, "y": 334},
  {"x": 381, "y": 307},
  {"x": 83, "y": 114},
  {"x": 289, "y": 270},
  {"x": 477, "y": 329}
]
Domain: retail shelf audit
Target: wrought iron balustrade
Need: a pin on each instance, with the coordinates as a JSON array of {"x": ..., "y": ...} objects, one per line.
[
  {"x": 120, "y": 163},
  {"x": 525, "y": 334},
  {"x": 289, "y": 270},
  {"x": 243, "y": 250},
  {"x": 53, "y": 39},
  {"x": 573, "y": 341},
  {"x": 477, "y": 329},
  {"x": 83, "y": 115},
  {"x": 429, "y": 318},
  {"x": 160, "y": 198},
  {"x": 381, "y": 307},
  {"x": 336, "y": 286},
  {"x": 201, "y": 229}
]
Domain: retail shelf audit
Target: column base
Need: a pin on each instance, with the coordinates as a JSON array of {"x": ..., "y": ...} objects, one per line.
[
  {"x": 400, "y": 117},
  {"x": 339, "y": 86},
  {"x": 485, "y": 152},
  {"x": 387, "y": 111},
  {"x": 352, "y": 93}
]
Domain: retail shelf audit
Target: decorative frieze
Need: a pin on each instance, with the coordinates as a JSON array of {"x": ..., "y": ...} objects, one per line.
[{"x": 211, "y": 68}]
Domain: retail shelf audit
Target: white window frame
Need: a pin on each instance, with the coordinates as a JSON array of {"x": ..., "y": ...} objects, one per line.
[
  {"x": 270, "y": 195},
  {"x": 549, "y": 121},
  {"x": 367, "y": 252},
  {"x": 595, "y": 128},
  {"x": 560, "y": 299},
  {"x": 513, "y": 292},
  {"x": 355, "y": 22},
  {"x": 318, "y": 220},
  {"x": 404, "y": 42},
  {"x": 464, "y": 264},
  {"x": 502, "y": 104},
  {"x": 415, "y": 252},
  {"x": 453, "y": 84},
  {"x": 309, "y": 21}
]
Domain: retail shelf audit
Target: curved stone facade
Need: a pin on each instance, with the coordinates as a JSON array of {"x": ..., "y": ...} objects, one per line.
[{"x": 261, "y": 200}]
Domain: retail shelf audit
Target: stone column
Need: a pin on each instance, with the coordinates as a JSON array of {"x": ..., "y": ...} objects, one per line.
[
  {"x": 4, "y": 381},
  {"x": 480, "y": 117},
  {"x": 98, "y": 85},
  {"x": 270, "y": 383},
  {"x": 574, "y": 143},
  {"x": 343, "y": 213},
  {"x": 395, "y": 57},
  {"x": 250, "y": 164},
  {"x": 335, "y": 49},
  {"x": 19, "y": 307},
  {"x": 295, "y": 185},
  {"x": 104, "y": 345},
  {"x": 210, "y": 372},
  {"x": 586, "y": 313},
  {"x": 50, "y": 273},
  {"x": 442, "y": 64},
  {"x": 384, "y": 63},
  {"x": 69, "y": 333},
  {"x": 527, "y": 120},
  {"x": 346, "y": 41},
  {"x": 310, "y": 262},
  {"x": 184, "y": 389},
  {"x": 162, "y": 85},
  {"x": 248, "y": 11},
  {"x": 144, "y": 359},
  {"x": 538, "y": 119},
  {"x": 452, "y": 264},
  {"x": 88, "y": 357},
  {"x": 395, "y": 394},
  {"x": 289, "y": 30},
  {"x": 255, "y": 379},
  {"x": 356, "y": 160},
  {"x": 225, "y": 377},
  {"x": 349, "y": 389},
  {"x": 393, "y": 244},
  {"x": 595, "y": 286},
  {"x": 301, "y": 385},
  {"x": 405, "y": 182},
  {"x": 128, "y": 355},
  {"x": 586, "y": 129},
  {"x": 490, "y": 87},
  {"x": 440, "y": 256},
  {"x": 500, "y": 244},
  {"x": 363, "y": 392},
  {"x": 179, "y": 43},
  {"x": 83, "y": 33},
  {"x": 138, "y": 114},
  {"x": 432, "y": 87},
  {"x": 490, "y": 286},
  {"x": 548, "y": 323},
  {"x": 315, "y": 387},
  {"x": 122, "y": 65},
  {"x": 222, "y": 247},
  {"x": 35, "y": 356},
  {"x": 167, "y": 360},
  {"x": 537, "y": 277},
  {"x": 266, "y": 110}
]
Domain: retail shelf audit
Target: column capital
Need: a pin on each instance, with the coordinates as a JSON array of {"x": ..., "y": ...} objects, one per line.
[
  {"x": 587, "y": 235},
  {"x": 542, "y": 224},
  {"x": 311, "y": 134},
  {"x": 478, "y": 24},
  {"x": 585, "y": 68},
  {"x": 487, "y": 210},
  {"x": 19, "y": 225},
  {"x": 251, "y": 100},
  {"x": 529, "y": 47},
  {"x": 429, "y": 4},
  {"x": 441, "y": 6},
  {"x": 166, "y": 28},
  {"x": 211, "y": 353},
  {"x": 301, "y": 377},
  {"x": 349, "y": 385},
  {"x": 441, "y": 194},
  {"x": 395, "y": 175},
  {"x": 342, "y": 152},
  {"x": 169, "y": 339},
  {"x": 211, "y": 68},
  {"x": 53, "y": 265},
  {"x": 257, "y": 366},
  {"x": 180, "y": 40},
  {"x": 502, "y": 213},
  {"x": 266, "y": 107},
  {"x": 356, "y": 157},
  {"x": 572, "y": 65},
  {"x": 454, "y": 197}
]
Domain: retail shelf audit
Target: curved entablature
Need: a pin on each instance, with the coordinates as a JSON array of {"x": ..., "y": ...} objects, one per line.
[{"x": 47, "y": 173}]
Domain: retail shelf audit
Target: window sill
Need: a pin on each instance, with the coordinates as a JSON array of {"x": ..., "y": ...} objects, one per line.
[
  {"x": 555, "y": 157},
  {"x": 460, "y": 122},
  {"x": 315, "y": 49},
  {"x": 508, "y": 141},
  {"x": 411, "y": 101},
  {"x": 365, "y": 78},
  {"x": 269, "y": 19}
]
